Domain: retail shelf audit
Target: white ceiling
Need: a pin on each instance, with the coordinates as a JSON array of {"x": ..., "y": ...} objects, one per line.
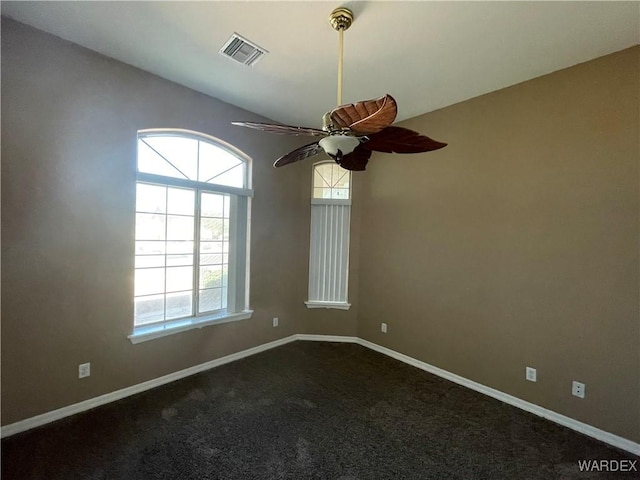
[{"x": 426, "y": 54}]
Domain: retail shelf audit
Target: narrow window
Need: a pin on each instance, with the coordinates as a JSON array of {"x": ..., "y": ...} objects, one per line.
[
  {"x": 329, "y": 249},
  {"x": 191, "y": 235}
]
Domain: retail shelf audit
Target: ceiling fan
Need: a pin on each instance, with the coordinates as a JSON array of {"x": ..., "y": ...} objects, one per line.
[{"x": 351, "y": 132}]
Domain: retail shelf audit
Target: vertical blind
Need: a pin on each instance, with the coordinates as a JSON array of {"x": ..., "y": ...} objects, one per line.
[{"x": 329, "y": 253}]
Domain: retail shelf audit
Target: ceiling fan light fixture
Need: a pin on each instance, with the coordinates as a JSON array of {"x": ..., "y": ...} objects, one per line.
[{"x": 343, "y": 144}]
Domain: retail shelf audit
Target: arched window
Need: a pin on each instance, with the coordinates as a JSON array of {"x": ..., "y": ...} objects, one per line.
[
  {"x": 329, "y": 249},
  {"x": 191, "y": 235}
]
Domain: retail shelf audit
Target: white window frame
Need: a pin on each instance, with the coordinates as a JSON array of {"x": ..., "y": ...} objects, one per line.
[
  {"x": 238, "y": 283},
  {"x": 329, "y": 248}
]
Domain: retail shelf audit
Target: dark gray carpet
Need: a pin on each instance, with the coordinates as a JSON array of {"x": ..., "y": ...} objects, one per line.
[{"x": 305, "y": 410}]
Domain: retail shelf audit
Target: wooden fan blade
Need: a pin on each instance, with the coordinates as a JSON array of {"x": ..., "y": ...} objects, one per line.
[
  {"x": 356, "y": 160},
  {"x": 369, "y": 116},
  {"x": 298, "y": 154},
  {"x": 282, "y": 129},
  {"x": 401, "y": 140}
]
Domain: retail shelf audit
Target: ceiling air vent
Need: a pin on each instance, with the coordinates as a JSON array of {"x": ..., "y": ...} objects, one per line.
[{"x": 242, "y": 50}]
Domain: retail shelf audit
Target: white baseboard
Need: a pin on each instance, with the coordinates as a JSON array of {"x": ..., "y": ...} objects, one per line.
[
  {"x": 326, "y": 338},
  {"x": 67, "y": 411},
  {"x": 563, "y": 420}
]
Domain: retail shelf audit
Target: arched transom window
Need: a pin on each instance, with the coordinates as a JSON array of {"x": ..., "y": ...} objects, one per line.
[{"x": 330, "y": 181}]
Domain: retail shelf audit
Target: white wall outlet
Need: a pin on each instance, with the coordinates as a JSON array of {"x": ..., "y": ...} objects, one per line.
[
  {"x": 531, "y": 374},
  {"x": 275, "y": 321},
  {"x": 577, "y": 389},
  {"x": 84, "y": 370},
  {"x": 383, "y": 327}
]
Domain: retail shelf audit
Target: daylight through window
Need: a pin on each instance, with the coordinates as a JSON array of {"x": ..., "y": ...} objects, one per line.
[{"x": 191, "y": 235}]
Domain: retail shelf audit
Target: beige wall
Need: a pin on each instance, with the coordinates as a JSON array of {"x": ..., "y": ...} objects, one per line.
[
  {"x": 517, "y": 244},
  {"x": 69, "y": 122}
]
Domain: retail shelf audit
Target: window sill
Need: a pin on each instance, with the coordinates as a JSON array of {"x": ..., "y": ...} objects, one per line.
[
  {"x": 143, "y": 334},
  {"x": 338, "y": 305}
]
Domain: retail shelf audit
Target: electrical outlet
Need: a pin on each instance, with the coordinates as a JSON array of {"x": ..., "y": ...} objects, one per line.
[
  {"x": 84, "y": 370},
  {"x": 531, "y": 374},
  {"x": 275, "y": 321},
  {"x": 577, "y": 389},
  {"x": 383, "y": 327}
]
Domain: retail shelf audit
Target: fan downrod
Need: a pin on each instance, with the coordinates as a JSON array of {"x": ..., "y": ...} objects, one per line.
[{"x": 341, "y": 19}]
